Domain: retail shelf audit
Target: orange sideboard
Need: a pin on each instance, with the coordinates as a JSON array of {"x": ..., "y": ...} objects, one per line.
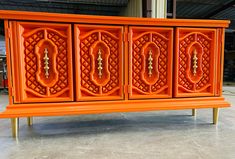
[{"x": 65, "y": 64}]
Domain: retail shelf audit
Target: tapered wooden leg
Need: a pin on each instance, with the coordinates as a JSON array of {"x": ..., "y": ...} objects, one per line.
[
  {"x": 194, "y": 112},
  {"x": 30, "y": 121},
  {"x": 15, "y": 127},
  {"x": 215, "y": 115}
]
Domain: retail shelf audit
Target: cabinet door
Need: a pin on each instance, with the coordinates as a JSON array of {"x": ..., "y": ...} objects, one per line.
[
  {"x": 195, "y": 62},
  {"x": 43, "y": 63},
  {"x": 150, "y": 74},
  {"x": 99, "y": 62}
]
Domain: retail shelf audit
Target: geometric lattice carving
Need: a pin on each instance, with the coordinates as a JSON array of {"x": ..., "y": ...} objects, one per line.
[
  {"x": 61, "y": 62},
  {"x": 31, "y": 62},
  {"x": 202, "y": 80},
  {"x": 91, "y": 83},
  {"x": 159, "y": 44},
  {"x": 57, "y": 82}
]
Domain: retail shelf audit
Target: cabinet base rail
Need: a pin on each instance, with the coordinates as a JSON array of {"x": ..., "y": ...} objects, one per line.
[
  {"x": 77, "y": 108},
  {"x": 16, "y": 111}
]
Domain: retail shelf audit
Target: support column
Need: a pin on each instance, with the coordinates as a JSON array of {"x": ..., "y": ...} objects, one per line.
[{"x": 159, "y": 9}]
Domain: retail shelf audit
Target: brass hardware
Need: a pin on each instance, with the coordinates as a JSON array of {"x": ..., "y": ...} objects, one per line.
[
  {"x": 150, "y": 63},
  {"x": 195, "y": 62},
  {"x": 215, "y": 115},
  {"x": 46, "y": 62},
  {"x": 15, "y": 127},
  {"x": 99, "y": 59}
]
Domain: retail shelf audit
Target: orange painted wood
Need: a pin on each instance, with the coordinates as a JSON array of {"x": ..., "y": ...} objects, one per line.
[
  {"x": 102, "y": 64},
  {"x": 204, "y": 42},
  {"x": 160, "y": 42},
  {"x": 113, "y": 20},
  {"x": 221, "y": 61},
  {"x": 78, "y": 108},
  {"x": 30, "y": 41},
  {"x": 89, "y": 40},
  {"x": 126, "y": 63},
  {"x": 9, "y": 63}
]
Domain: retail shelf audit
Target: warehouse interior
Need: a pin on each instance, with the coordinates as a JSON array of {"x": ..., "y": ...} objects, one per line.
[{"x": 163, "y": 134}]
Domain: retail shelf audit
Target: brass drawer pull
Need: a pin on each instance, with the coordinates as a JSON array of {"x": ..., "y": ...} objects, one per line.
[
  {"x": 99, "y": 59},
  {"x": 46, "y": 63},
  {"x": 195, "y": 58},
  {"x": 150, "y": 63}
]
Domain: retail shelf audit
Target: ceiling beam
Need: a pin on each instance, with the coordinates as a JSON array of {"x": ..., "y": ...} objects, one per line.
[{"x": 220, "y": 9}]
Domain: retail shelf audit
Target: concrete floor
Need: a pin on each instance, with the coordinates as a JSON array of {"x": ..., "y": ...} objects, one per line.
[{"x": 160, "y": 134}]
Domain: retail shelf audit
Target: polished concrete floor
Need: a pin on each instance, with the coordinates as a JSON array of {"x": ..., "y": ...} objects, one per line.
[{"x": 145, "y": 135}]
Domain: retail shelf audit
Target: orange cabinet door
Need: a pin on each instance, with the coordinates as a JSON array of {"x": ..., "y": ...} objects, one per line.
[
  {"x": 195, "y": 62},
  {"x": 150, "y": 51},
  {"x": 99, "y": 62},
  {"x": 42, "y": 62}
]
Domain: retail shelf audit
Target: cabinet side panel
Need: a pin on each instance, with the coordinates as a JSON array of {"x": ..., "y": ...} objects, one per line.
[
  {"x": 14, "y": 62},
  {"x": 220, "y": 61},
  {"x": 9, "y": 61}
]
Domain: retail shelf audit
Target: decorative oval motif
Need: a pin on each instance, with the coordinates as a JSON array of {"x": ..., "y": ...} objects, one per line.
[
  {"x": 99, "y": 53},
  {"x": 149, "y": 54},
  {"x": 194, "y": 70},
  {"x": 47, "y": 73}
]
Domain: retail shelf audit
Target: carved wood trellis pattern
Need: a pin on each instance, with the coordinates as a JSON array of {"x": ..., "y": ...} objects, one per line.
[
  {"x": 31, "y": 63},
  {"x": 202, "y": 81},
  {"x": 61, "y": 61},
  {"x": 156, "y": 85},
  {"x": 92, "y": 85}
]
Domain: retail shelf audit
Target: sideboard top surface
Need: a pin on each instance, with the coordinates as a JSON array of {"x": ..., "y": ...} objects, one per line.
[{"x": 116, "y": 20}]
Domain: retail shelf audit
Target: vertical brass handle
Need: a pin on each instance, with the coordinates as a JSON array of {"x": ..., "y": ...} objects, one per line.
[
  {"x": 195, "y": 58},
  {"x": 150, "y": 63},
  {"x": 46, "y": 62},
  {"x": 99, "y": 59}
]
